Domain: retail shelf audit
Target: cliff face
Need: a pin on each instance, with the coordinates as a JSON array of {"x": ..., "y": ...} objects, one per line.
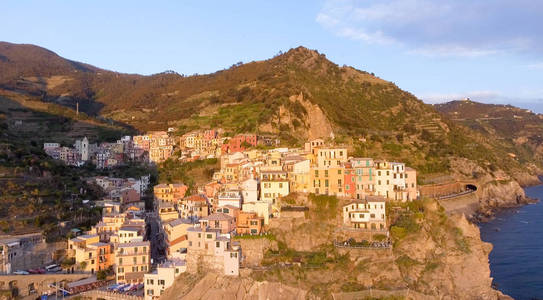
[
  {"x": 496, "y": 189},
  {"x": 442, "y": 258},
  {"x": 214, "y": 286}
]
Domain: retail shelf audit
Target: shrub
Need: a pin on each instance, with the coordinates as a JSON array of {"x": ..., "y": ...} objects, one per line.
[
  {"x": 406, "y": 262},
  {"x": 325, "y": 206},
  {"x": 379, "y": 237}
]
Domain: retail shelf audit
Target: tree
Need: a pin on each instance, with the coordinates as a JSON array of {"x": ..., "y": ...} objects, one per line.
[{"x": 101, "y": 275}]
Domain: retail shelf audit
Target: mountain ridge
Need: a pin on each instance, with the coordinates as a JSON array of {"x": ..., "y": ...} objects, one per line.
[{"x": 296, "y": 95}]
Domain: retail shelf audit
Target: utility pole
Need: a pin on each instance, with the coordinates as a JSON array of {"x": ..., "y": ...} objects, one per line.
[{"x": 77, "y": 109}]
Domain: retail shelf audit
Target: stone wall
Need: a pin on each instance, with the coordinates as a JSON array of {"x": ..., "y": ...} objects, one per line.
[{"x": 29, "y": 285}]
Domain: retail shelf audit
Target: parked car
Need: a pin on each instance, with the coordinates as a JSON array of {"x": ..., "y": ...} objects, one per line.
[
  {"x": 21, "y": 272},
  {"x": 53, "y": 268}
]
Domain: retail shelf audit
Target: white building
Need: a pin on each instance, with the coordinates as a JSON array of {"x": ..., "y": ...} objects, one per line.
[
  {"x": 163, "y": 277},
  {"x": 231, "y": 197},
  {"x": 249, "y": 190},
  {"x": 369, "y": 214}
]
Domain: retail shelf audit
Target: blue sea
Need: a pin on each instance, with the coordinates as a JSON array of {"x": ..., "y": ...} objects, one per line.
[{"x": 516, "y": 262}]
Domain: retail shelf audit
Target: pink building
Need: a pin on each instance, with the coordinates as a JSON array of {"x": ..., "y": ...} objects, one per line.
[
  {"x": 349, "y": 181},
  {"x": 219, "y": 221},
  {"x": 236, "y": 144},
  {"x": 129, "y": 195}
]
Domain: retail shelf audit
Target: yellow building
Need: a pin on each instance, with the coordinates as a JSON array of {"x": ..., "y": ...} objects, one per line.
[
  {"x": 298, "y": 175},
  {"x": 132, "y": 261},
  {"x": 176, "y": 235},
  {"x": 90, "y": 254},
  {"x": 173, "y": 192},
  {"x": 167, "y": 212},
  {"x": 329, "y": 157},
  {"x": 328, "y": 180}
]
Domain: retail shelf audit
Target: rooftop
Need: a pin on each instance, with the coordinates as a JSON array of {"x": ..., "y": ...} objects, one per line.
[
  {"x": 217, "y": 217},
  {"x": 133, "y": 244},
  {"x": 179, "y": 221}
]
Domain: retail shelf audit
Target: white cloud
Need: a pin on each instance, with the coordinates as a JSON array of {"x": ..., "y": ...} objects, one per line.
[
  {"x": 535, "y": 66},
  {"x": 464, "y": 28}
]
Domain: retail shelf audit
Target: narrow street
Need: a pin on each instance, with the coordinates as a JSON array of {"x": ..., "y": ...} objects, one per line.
[{"x": 156, "y": 238}]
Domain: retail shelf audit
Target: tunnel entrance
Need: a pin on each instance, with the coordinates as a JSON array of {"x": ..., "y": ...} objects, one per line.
[{"x": 471, "y": 187}]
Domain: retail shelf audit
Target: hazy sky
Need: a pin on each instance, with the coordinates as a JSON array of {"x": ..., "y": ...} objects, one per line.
[{"x": 488, "y": 50}]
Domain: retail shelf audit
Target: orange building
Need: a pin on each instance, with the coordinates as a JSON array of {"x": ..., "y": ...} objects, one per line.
[
  {"x": 249, "y": 223},
  {"x": 172, "y": 193}
]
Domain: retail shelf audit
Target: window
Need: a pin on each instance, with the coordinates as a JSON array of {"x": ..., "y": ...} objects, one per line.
[
  {"x": 217, "y": 244},
  {"x": 233, "y": 255},
  {"x": 209, "y": 236},
  {"x": 161, "y": 282},
  {"x": 325, "y": 173},
  {"x": 135, "y": 259},
  {"x": 120, "y": 260},
  {"x": 150, "y": 292},
  {"x": 280, "y": 185},
  {"x": 326, "y": 183},
  {"x": 347, "y": 187}
]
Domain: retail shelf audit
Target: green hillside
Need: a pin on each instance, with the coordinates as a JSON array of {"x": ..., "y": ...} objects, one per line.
[{"x": 295, "y": 95}]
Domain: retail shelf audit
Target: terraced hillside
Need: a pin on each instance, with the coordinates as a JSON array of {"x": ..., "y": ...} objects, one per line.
[{"x": 519, "y": 131}]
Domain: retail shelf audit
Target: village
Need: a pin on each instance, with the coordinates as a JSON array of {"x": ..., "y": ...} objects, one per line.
[{"x": 141, "y": 251}]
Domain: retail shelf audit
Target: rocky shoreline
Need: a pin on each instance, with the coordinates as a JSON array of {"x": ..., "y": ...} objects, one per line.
[{"x": 506, "y": 198}]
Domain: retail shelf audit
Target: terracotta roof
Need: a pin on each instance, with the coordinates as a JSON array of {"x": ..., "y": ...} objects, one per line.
[{"x": 196, "y": 198}]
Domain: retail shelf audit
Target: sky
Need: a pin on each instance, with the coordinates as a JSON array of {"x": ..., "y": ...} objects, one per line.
[{"x": 439, "y": 50}]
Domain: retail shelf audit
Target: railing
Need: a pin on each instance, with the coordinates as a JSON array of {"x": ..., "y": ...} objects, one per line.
[
  {"x": 371, "y": 246},
  {"x": 456, "y": 194},
  {"x": 108, "y": 295},
  {"x": 376, "y": 230}
]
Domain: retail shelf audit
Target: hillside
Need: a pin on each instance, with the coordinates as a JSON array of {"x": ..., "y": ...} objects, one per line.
[
  {"x": 297, "y": 95},
  {"x": 519, "y": 130},
  {"x": 37, "y": 192}
]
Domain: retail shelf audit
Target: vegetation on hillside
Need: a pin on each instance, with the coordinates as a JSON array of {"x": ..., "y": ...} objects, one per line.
[
  {"x": 371, "y": 116},
  {"x": 192, "y": 174}
]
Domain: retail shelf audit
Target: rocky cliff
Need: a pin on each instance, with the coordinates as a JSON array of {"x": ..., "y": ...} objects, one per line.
[{"x": 435, "y": 257}]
